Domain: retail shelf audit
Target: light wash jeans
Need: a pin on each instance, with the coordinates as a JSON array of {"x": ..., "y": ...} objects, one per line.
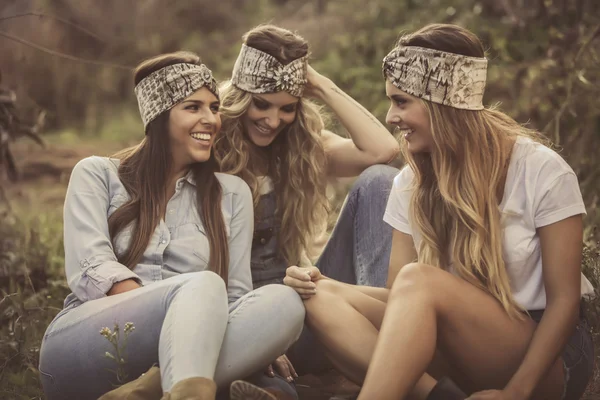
[{"x": 182, "y": 323}]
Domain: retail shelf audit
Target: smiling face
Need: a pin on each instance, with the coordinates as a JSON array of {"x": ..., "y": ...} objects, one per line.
[
  {"x": 267, "y": 115},
  {"x": 410, "y": 116},
  {"x": 193, "y": 125}
]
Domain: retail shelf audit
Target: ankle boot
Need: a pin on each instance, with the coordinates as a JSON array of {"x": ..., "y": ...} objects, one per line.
[
  {"x": 146, "y": 387},
  {"x": 242, "y": 390},
  {"x": 445, "y": 389},
  {"x": 192, "y": 389}
]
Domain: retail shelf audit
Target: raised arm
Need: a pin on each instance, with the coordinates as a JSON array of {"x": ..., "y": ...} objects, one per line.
[
  {"x": 370, "y": 142},
  {"x": 91, "y": 265},
  {"x": 240, "y": 242}
]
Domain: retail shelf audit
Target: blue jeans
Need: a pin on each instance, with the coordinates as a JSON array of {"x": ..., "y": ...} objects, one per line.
[
  {"x": 358, "y": 252},
  {"x": 182, "y": 323}
]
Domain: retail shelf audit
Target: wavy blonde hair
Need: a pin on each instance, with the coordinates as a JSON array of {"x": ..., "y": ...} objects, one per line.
[
  {"x": 297, "y": 162},
  {"x": 456, "y": 187}
]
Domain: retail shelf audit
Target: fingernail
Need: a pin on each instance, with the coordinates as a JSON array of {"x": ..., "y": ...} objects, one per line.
[
  {"x": 289, "y": 379},
  {"x": 295, "y": 375}
]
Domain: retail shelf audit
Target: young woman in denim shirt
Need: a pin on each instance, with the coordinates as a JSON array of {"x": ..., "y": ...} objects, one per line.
[{"x": 156, "y": 237}]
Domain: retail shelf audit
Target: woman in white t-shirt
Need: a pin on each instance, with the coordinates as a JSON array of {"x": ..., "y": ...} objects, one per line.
[{"x": 484, "y": 279}]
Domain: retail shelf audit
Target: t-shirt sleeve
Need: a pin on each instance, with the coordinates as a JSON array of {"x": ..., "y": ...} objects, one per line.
[
  {"x": 560, "y": 198},
  {"x": 396, "y": 212}
]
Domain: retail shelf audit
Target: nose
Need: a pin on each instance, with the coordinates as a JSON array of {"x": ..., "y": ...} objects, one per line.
[
  {"x": 272, "y": 120},
  {"x": 208, "y": 118},
  {"x": 392, "y": 117}
]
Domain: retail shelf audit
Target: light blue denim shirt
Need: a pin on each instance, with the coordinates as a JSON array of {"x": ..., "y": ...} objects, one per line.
[{"x": 178, "y": 245}]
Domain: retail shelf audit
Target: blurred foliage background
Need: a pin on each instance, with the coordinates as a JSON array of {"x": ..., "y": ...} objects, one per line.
[{"x": 544, "y": 70}]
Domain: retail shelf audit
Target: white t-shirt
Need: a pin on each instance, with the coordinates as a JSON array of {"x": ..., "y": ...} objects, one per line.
[{"x": 540, "y": 189}]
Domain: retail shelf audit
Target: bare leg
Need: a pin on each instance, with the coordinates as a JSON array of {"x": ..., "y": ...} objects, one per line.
[
  {"x": 466, "y": 324},
  {"x": 347, "y": 323}
]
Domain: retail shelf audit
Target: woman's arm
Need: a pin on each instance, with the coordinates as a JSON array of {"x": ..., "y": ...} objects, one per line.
[
  {"x": 561, "y": 244},
  {"x": 370, "y": 142},
  {"x": 403, "y": 252},
  {"x": 91, "y": 265},
  {"x": 240, "y": 242}
]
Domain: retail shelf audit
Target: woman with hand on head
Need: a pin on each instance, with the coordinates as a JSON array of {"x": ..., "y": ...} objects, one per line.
[
  {"x": 273, "y": 137},
  {"x": 156, "y": 237},
  {"x": 485, "y": 281}
]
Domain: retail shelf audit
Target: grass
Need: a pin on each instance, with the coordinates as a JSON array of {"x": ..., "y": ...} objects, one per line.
[{"x": 32, "y": 284}]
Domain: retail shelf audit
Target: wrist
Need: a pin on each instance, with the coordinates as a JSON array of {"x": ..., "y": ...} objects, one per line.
[
  {"x": 323, "y": 87},
  {"x": 517, "y": 391}
]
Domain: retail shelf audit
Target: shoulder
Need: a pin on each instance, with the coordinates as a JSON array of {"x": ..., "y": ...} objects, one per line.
[
  {"x": 542, "y": 164},
  {"x": 403, "y": 180},
  {"x": 232, "y": 184},
  {"x": 95, "y": 165}
]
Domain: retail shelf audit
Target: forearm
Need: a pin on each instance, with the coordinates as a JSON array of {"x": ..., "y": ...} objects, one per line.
[
  {"x": 549, "y": 339},
  {"x": 368, "y": 134}
]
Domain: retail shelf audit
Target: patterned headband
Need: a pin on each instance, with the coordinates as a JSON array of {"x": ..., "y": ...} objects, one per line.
[
  {"x": 258, "y": 72},
  {"x": 450, "y": 79},
  {"x": 162, "y": 89}
]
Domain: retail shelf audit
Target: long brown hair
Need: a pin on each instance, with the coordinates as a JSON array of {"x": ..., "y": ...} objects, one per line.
[
  {"x": 296, "y": 158},
  {"x": 456, "y": 186},
  {"x": 144, "y": 171}
]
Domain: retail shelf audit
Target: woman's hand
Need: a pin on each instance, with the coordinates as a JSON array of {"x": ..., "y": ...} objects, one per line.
[
  {"x": 491, "y": 395},
  {"x": 302, "y": 280},
  {"x": 123, "y": 286},
  {"x": 315, "y": 85},
  {"x": 283, "y": 367}
]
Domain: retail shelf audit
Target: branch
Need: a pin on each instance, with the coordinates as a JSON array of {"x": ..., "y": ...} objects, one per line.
[
  {"x": 64, "y": 21},
  {"x": 569, "y": 87},
  {"x": 63, "y": 55}
]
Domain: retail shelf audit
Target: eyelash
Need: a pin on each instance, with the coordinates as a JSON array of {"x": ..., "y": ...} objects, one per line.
[
  {"x": 214, "y": 108},
  {"x": 264, "y": 106},
  {"x": 261, "y": 105}
]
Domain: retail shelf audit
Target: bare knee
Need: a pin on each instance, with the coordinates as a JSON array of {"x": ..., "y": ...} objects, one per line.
[
  {"x": 320, "y": 304},
  {"x": 418, "y": 279}
]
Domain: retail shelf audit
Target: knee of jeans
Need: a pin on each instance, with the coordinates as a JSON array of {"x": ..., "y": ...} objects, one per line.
[
  {"x": 376, "y": 178},
  {"x": 201, "y": 282},
  {"x": 290, "y": 304}
]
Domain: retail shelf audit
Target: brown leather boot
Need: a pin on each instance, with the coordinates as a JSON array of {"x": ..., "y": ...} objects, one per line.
[
  {"x": 445, "y": 389},
  {"x": 192, "y": 389},
  {"x": 242, "y": 390},
  {"x": 146, "y": 387}
]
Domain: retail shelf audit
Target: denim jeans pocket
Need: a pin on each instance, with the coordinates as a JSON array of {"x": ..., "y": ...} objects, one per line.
[{"x": 578, "y": 359}]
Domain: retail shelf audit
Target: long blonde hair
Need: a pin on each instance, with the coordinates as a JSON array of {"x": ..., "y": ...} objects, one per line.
[
  {"x": 455, "y": 199},
  {"x": 296, "y": 158}
]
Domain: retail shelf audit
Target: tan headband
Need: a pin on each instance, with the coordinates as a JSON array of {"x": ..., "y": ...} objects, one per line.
[
  {"x": 445, "y": 78},
  {"x": 162, "y": 89}
]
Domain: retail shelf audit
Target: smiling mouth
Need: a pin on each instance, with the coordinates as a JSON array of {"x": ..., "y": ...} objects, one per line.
[
  {"x": 201, "y": 136},
  {"x": 405, "y": 132},
  {"x": 263, "y": 130}
]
